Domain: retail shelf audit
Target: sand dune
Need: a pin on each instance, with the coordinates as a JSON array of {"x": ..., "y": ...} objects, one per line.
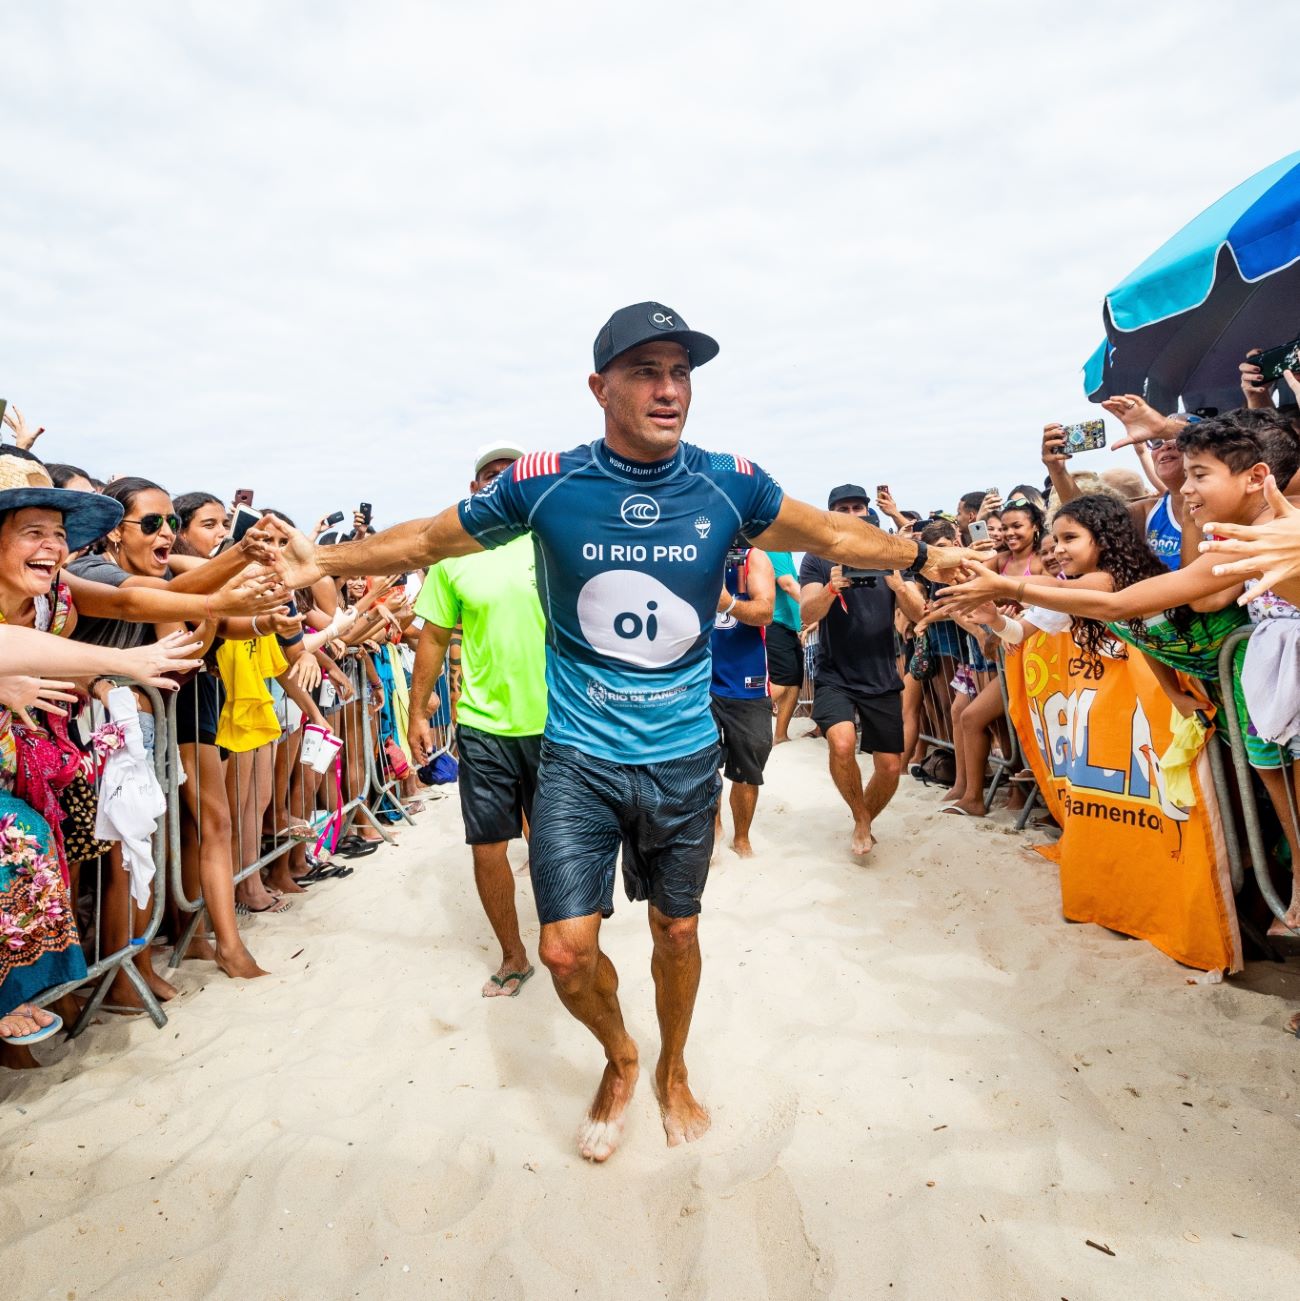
[{"x": 924, "y": 1084}]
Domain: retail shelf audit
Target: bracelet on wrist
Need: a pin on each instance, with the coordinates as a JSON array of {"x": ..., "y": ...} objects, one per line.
[{"x": 731, "y": 606}]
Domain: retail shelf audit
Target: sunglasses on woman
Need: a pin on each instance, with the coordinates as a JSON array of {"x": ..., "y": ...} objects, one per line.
[{"x": 151, "y": 524}]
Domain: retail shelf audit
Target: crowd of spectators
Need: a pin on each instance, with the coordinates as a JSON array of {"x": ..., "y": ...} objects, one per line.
[{"x": 108, "y": 580}]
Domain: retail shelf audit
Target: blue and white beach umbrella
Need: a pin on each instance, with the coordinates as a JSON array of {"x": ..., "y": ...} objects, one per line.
[{"x": 1229, "y": 281}]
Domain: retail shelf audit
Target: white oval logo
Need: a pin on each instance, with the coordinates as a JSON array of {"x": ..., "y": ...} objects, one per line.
[
  {"x": 639, "y": 511},
  {"x": 631, "y": 616}
]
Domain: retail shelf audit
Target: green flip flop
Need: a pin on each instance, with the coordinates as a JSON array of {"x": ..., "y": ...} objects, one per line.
[{"x": 521, "y": 976}]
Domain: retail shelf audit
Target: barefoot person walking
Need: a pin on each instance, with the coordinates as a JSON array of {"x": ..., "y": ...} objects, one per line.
[
  {"x": 631, "y": 534},
  {"x": 742, "y": 707},
  {"x": 501, "y": 711}
]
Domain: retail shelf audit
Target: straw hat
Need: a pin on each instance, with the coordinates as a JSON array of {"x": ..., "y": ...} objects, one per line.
[{"x": 24, "y": 481}]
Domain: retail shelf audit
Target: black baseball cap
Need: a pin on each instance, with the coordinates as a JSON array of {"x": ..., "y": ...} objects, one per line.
[
  {"x": 643, "y": 322},
  {"x": 847, "y": 492}
]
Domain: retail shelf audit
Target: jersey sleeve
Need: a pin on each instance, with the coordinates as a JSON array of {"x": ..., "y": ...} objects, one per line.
[
  {"x": 759, "y": 500},
  {"x": 498, "y": 513},
  {"x": 438, "y": 602}
]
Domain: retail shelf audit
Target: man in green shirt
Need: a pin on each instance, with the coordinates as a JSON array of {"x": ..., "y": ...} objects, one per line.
[{"x": 492, "y": 595}]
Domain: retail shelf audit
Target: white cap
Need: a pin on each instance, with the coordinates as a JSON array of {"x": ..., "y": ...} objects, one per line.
[{"x": 490, "y": 452}]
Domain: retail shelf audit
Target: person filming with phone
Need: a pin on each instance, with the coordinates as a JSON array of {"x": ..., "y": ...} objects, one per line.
[{"x": 857, "y": 675}]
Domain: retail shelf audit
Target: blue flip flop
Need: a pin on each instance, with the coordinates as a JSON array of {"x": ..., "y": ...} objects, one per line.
[{"x": 37, "y": 1036}]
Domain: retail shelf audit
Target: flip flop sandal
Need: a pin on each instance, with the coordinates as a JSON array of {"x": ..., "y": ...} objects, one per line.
[
  {"x": 281, "y": 905},
  {"x": 360, "y": 851},
  {"x": 502, "y": 981},
  {"x": 37, "y": 1036}
]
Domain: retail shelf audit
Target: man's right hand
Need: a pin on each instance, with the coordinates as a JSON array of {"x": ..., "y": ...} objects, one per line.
[
  {"x": 838, "y": 582},
  {"x": 419, "y": 737},
  {"x": 297, "y": 562},
  {"x": 943, "y": 562}
]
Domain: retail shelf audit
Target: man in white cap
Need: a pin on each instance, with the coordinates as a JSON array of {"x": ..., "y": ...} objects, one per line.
[{"x": 492, "y": 596}]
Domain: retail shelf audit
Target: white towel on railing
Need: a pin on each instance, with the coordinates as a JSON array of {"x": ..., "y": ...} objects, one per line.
[
  {"x": 130, "y": 799},
  {"x": 1270, "y": 678}
]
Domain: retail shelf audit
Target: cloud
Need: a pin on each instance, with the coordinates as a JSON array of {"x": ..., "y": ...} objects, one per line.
[{"x": 324, "y": 252}]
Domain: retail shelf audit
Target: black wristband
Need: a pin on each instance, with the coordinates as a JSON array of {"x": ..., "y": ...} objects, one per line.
[{"x": 922, "y": 555}]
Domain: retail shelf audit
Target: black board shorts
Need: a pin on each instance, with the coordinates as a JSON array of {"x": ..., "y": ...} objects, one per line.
[
  {"x": 587, "y": 809},
  {"x": 744, "y": 737},
  {"x": 881, "y": 717},
  {"x": 497, "y": 779},
  {"x": 784, "y": 656}
]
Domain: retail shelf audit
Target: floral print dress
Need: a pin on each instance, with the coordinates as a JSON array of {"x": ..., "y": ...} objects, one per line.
[{"x": 39, "y": 947}]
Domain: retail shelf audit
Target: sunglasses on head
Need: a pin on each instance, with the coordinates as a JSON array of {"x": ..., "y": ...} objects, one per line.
[{"x": 151, "y": 524}]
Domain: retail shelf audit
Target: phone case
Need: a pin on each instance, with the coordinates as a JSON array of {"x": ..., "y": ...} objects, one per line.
[{"x": 1086, "y": 436}]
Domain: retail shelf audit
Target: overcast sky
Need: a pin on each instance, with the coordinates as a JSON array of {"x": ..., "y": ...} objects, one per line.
[{"x": 324, "y": 250}]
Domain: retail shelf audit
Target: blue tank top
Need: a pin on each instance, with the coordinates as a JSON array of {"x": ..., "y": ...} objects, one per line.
[
  {"x": 739, "y": 649},
  {"x": 629, "y": 565},
  {"x": 1164, "y": 535}
]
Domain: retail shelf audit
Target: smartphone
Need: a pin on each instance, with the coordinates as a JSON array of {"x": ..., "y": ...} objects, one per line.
[
  {"x": 335, "y": 518},
  {"x": 979, "y": 530},
  {"x": 1273, "y": 361},
  {"x": 241, "y": 520},
  {"x": 1086, "y": 436},
  {"x": 243, "y": 496},
  {"x": 365, "y": 512}
]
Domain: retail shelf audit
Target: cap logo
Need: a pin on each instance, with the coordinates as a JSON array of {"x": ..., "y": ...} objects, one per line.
[
  {"x": 639, "y": 511},
  {"x": 662, "y": 321}
]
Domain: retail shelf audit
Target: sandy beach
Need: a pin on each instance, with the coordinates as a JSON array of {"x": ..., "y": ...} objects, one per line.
[{"x": 923, "y": 1084}]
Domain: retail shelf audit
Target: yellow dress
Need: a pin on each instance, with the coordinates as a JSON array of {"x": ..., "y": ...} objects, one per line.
[{"x": 248, "y": 718}]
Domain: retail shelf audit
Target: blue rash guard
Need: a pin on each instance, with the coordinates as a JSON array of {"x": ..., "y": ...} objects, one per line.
[{"x": 630, "y": 557}]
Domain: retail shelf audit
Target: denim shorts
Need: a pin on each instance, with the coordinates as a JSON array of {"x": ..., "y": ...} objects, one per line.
[{"x": 587, "y": 809}]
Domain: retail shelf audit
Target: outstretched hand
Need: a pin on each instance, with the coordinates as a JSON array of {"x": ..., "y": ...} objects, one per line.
[
  {"x": 1267, "y": 553},
  {"x": 943, "y": 562},
  {"x": 21, "y": 692},
  {"x": 976, "y": 586},
  {"x": 297, "y": 563},
  {"x": 179, "y": 652},
  {"x": 1142, "y": 422}
]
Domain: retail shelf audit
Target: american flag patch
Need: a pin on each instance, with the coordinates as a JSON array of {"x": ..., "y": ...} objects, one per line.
[
  {"x": 534, "y": 465},
  {"x": 725, "y": 461}
]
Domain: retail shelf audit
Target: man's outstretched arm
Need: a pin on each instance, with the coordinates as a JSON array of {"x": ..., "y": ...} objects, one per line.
[
  {"x": 412, "y": 545},
  {"x": 848, "y": 540}
]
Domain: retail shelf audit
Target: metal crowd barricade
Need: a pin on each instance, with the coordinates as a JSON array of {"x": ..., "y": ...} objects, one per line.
[
  {"x": 350, "y": 725},
  {"x": 103, "y": 967},
  {"x": 1246, "y": 784}
]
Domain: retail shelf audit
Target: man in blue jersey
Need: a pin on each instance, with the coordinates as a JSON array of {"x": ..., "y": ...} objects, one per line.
[
  {"x": 742, "y": 705},
  {"x": 631, "y": 533}
]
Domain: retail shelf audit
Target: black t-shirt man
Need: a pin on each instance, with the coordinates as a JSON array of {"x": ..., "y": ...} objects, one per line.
[{"x": 856, "y": 639}]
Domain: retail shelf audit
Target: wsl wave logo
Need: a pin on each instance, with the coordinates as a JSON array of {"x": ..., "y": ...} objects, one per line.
[{"x": 639, "y": 511}]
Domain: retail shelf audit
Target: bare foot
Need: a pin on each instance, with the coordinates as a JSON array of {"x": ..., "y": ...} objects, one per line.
[
  {"x": 863, "y": 841},
  {"x": 509, "y": 977},
  {"x": 953, "y": 795},
  {"x": 684, "y": 1119},
  {"x": 779, "y": 740},
  {"x": 201, "y": 949},
  {"x": 1293, "y": 1024},
  {"x": 280, "y": 879},
  {"x": 602, "y": 1130},
  {"x": 1281, "y": 929},
  {"x": 239, "y": 965},
  {"x": 741, "y": 846},
  {"x": 161, "y": 989},
  {"x": 24, "y": 1020}
]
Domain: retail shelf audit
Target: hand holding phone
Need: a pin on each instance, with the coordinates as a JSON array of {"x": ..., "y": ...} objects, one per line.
[{"x": 979, "y": 531}]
